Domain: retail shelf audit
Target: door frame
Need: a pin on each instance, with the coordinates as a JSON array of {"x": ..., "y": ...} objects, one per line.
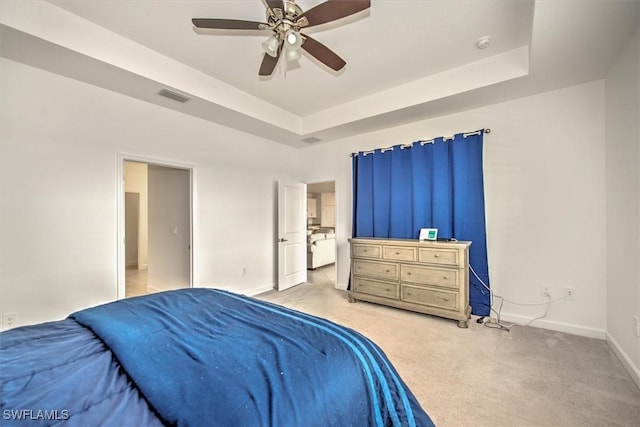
[{"x": 120, "y": 234}]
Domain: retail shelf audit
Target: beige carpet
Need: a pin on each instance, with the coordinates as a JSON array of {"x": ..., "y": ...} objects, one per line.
[{"x": 481, "y": 376}]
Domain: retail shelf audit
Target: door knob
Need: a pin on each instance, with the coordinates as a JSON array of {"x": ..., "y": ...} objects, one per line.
[{"x": 282, "y": 240}]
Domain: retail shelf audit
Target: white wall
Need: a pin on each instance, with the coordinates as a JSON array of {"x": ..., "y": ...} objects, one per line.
[
  {"x": 59, "y": 152},
  {"x": 623, "y": 204},
  {"x": 545, "y": 198}
]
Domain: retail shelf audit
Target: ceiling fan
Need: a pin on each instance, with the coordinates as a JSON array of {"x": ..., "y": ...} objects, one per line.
[{"x": 286, "y": 19}]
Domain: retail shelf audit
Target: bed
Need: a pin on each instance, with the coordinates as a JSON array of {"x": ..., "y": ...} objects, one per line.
[{"x": 198, "y": 357}]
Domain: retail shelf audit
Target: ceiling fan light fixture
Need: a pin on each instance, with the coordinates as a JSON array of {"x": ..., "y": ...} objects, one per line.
[
  {"x": 292, "y": 55},
  {"x": 270, "y": 46},
  {"x": 292, "y": 40}
]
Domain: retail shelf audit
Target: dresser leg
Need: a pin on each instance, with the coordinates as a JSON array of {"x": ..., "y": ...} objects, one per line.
[
  {"x": 463, "y": 323},
  {"x": 352, "y": 299}
]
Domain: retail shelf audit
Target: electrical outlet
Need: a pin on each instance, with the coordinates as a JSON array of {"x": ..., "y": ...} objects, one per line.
[
  {"x": 243, "y": 271},
  {"x": 547, "y": 291},
  {"x": 637, "y": 319},
  {"x": 9, "y": 320},
  {"x": 570, "y": 294}
]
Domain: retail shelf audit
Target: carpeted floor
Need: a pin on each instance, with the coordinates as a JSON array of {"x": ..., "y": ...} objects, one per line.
[{"x": 481, "y": 376}]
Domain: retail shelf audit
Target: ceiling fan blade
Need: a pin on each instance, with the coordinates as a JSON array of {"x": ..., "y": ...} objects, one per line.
[
  {"x": 323, "y": 53},
  {"x": 269, "y": 63},
  {"x": 334, "y": 9},
  {"x": 226, "y": 24},
  {"x": 275, "y": 4}
]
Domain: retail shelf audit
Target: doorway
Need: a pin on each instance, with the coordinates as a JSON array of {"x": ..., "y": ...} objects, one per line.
[
  {"x": 155, "y": 224},
  {"x": 321, "y": 233}
]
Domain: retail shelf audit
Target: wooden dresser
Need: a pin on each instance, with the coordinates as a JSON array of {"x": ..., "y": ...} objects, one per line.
[{"x": 427, "y": 277}]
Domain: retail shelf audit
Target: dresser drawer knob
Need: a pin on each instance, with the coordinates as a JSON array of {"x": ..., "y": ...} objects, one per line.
[
  {"x": 387, "y": 271},
  {"x": 408, "y": 273},
  {"x": 436, "y": 255},
  {"x": 409, "y": 293},
  {"x": 388, "y": 290},
  {"x": 364, "y": 250},
  {"x": 445, "y": 277},
  {"x": 446, "y": 299},
  {"x": 397, "y": 253}
]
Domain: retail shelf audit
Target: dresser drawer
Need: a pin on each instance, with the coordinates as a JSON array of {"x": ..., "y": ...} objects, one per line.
[
  {"x": 381, "y": 270},
  {"x": 366, "y": 251},
  {"x": 431, "y": 297},
  {"x": 372, "y": 287},
  {"x": 444, "y": 277},
  {"x": 439, "y": 256},
  {"x": 399, "y": 253}
]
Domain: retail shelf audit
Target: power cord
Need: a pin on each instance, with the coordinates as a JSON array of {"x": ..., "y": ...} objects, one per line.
[{"x": 498, "y": 323}]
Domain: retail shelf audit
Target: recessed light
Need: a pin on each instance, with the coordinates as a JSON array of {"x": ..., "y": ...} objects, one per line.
[{"x": 483, "y": 42}]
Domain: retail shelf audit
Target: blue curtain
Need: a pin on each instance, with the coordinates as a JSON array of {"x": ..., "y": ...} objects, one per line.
[{"x": 435, "y": 185}]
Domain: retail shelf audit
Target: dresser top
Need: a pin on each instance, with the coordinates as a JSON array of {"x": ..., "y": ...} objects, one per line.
[{"x": 409, "y": 242}]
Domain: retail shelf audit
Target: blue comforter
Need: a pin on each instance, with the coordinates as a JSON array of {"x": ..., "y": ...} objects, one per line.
[{"x": 200, "y": 357}]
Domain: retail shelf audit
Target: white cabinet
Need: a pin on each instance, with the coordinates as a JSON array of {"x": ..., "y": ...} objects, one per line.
[
  {"x": 328, "y": 199},
  {"x": 328, "y": 218},
  {"x": 312, "y": 208},
  {"x": 328, "y": 209}
]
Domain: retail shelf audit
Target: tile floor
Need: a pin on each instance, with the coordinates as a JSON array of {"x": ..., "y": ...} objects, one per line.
[{"x": 136, "y": 282}]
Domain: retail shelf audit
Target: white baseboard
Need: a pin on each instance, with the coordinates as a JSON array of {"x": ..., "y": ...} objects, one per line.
[
  {"x": 135, "y": 264},
  {"x": 633, "y": 370},
  {"x": 151, "y": 289},
  {"x": 342, "y": 286},
  {"x": 259, "y": 290},
  {"x": 568, "y": 328}
]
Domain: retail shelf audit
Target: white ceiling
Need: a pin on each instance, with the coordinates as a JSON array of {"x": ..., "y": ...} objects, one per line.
[
  {"x": 406, "y": 59},
  {"x": 392, "y": 43}
]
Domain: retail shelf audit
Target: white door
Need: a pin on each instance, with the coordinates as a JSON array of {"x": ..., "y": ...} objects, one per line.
[{"x": 292, "y": 234}]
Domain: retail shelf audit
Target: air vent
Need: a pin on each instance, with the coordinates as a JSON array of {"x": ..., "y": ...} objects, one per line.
[
  {"x": 174, "y": 96},
  {"x": 311, "y": 140}
]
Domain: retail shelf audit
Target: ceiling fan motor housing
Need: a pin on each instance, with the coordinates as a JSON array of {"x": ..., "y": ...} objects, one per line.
[{"x": 282, "y": 20}]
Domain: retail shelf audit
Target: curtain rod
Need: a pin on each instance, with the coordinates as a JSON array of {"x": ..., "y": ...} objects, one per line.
[{"x": 423, "y": 142}]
